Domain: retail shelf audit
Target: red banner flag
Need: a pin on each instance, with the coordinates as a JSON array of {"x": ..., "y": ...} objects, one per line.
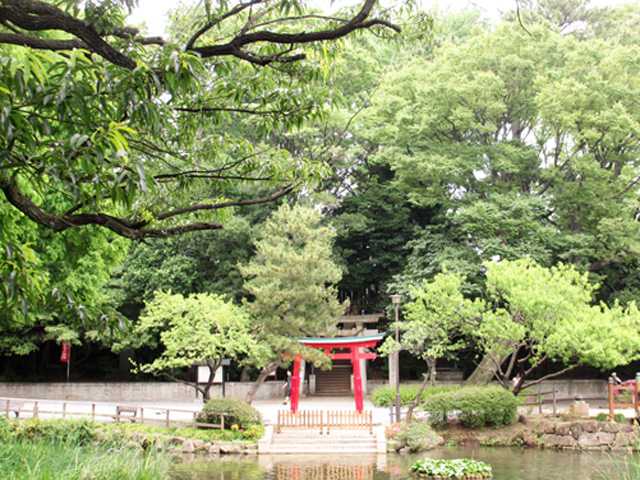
[{"x": 66, "y": 352}]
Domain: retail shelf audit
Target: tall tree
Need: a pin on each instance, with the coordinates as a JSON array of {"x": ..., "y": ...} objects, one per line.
[
  {"x": 291, "y": 286},
  {"x": 200, "y": 329},
  {"x": 543, "y": 315},
  {"x": 438, "y": 322}
]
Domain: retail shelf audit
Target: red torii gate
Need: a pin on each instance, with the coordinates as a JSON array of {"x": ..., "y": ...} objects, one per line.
[{"x": 354, "y": 345}]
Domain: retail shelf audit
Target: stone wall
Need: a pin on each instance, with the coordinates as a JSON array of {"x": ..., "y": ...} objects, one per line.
[
  {"x": 130, "y": 391},
  {"x": 586, "y": 435}
]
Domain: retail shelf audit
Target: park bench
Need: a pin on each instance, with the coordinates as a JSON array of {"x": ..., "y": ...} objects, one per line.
[
  {"x": 15, "y": 407},
  {"x": 126, "y": 412}
]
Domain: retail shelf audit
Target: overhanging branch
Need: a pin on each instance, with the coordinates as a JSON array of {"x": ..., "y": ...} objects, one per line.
[{"x": 39, "y": 16}]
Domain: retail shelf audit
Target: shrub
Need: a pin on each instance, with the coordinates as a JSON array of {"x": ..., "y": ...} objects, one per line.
[
  {"x": 458, "y": 468},
  {"x": 235, "y": 412},
  {"x": 386, "y": 396},
  {"x": 476, "y": 407},
  {"x": 75, "y": 432},
  {"x": 417, "y": 437},
  {"x": 618, "y": 418}
]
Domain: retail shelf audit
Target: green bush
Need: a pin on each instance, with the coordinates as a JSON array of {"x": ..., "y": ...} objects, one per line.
[
  {"x": 235, "y": 412},
  {"x": 386, "y": 396},
  {"x": 417, "y": 437},
  {"x": 618, "y": 418},
  {"x": 476, "y": 407},
  {"x": 457, "y": 468},
  {"x": 74, "y": 432}
]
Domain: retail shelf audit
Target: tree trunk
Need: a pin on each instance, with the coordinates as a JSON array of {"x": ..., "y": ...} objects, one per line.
[
  {"x": 264, "y": 373},
  {"x": 429, "y": 379},
  {"x": 245, "y": 375},
  {"x": 486, "y": 370}
]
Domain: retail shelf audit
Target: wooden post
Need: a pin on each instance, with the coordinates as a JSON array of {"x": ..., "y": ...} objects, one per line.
[
  {"x": 295, "y": 384},
  {"x": 195, "y": 419},
  {"x": 222, "y": 422},
  {"x": 539, "y": 400},
  {"x": 35, "y": 410},
  {"x": 357, "y": 378},
  {"x": 64, "y": 410},
  {"x": 7, "y": 407},
  {"x": 168, "y": 420},
  {"x": 611, "y": 400},
  {"x": 141, "y": 415},
  {"x": 636, "y": 400},
  {"x": 93, "y": 412}
]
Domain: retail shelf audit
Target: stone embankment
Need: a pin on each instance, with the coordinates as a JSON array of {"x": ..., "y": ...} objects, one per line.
[
  {"x": 586, "y": 435},
  {"x": 182, "y": 445},
  {"x": 558, "y": 434}
]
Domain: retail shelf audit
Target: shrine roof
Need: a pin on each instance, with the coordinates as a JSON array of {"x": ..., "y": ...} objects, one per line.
[{"x": 341, "y": 340}]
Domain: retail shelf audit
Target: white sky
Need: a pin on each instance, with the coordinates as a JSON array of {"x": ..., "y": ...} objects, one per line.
[{"x": 153, "y": 13}]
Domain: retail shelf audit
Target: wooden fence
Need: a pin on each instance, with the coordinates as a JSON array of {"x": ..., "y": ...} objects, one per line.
[
  {"x": 623, "y": 395},
  {"x": 324, "y": 420},
  {"x": 19, "y": 408}
]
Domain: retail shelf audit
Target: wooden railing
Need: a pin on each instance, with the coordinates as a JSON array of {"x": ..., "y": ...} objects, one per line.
[
  {"x": 616, "y": 390},
  {"x": 325, "y": 421},
  {"x": 21, "y": 408}
]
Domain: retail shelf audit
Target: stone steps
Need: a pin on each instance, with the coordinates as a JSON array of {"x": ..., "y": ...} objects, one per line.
[{"x": 303, "y": 441}]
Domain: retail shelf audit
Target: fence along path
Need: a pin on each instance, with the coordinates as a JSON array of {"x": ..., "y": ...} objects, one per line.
[
  {"x": 325, "y": 420},
  {"x": 22, "y": 408}
]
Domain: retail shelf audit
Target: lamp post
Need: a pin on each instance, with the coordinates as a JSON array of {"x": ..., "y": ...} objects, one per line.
[{"x": 395, "y": 299}]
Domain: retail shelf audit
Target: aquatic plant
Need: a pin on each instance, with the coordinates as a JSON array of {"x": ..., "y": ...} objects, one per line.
[{"x": 457, "y": 468}]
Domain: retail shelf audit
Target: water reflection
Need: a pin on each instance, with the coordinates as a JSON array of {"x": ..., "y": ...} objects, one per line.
[{"x": 508, "y": 464}]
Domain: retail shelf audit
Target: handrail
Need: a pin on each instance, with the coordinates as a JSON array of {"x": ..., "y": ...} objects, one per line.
[{"x": 116, "y": 413}]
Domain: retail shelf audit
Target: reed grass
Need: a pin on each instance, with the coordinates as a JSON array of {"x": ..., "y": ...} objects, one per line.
[{"x": 48, "y": 460}]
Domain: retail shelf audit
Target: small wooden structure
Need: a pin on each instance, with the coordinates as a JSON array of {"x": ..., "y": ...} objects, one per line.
[
  {"x": 324, "y": 420},
  {"x": 615, "y": 390}
]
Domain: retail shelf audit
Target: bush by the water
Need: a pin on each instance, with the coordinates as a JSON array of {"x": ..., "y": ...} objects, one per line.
[
  {"x": 415, "y": 436},
  {"x": 476, "y": 407},
  {"x": 386, "y": 396},
  {"x": 84, "y": 432},
  {"x": 76, "y": 432},
  {"x": 237, "y": 414},
  {"x": 458, "y": 468}
]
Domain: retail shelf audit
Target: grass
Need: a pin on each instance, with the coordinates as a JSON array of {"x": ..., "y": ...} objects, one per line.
[
  {"x": 50, "y": 460},
  {"x": 208, "y": 435}
]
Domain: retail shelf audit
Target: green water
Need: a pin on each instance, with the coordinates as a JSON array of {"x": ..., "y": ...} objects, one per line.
[{"x": 508, "y": 464}]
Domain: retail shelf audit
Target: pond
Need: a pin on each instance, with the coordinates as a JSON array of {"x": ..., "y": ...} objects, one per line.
[{"x": 508, "y": 464}]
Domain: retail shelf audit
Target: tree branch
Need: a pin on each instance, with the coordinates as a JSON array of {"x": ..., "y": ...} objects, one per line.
[
  {"x": 546, "y": 377},
  {"x": 36, "y": 15},
  {"x": 235, "y": 203},
  {"x": 123, "y": 227}
]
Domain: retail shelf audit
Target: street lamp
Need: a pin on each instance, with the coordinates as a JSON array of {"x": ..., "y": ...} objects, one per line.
[{"x": 395, "y": 299}]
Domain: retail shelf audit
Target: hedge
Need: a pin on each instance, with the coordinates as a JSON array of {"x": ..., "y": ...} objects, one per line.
[
  {"x": 476, "y": 407},
  {"x": 386, "y": 396},
  {"x": 237, "y": 414}
]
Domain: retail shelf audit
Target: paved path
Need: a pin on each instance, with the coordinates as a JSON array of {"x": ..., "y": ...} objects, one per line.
[
  {"x": 183, "y": 411},
  {"x": 269, "y": 408}
]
